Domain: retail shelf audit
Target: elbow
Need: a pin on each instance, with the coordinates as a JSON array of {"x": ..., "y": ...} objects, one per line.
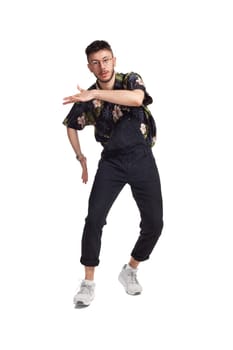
[
  {"x": 139, "y": 97},
  {"x": 139, "y": 102},
  {"x": 71, "y": 131}
]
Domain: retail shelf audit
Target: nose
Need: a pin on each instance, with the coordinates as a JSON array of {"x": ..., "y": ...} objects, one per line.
[{"x": 102, "y": 64}]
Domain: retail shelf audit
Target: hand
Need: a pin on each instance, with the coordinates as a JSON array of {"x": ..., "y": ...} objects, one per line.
[
  {"x": 83, "y": 162},
  {"x": 82, "y": 96}
]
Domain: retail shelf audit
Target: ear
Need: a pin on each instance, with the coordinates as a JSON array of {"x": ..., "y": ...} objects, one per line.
[{"x": 114, "y": 61}]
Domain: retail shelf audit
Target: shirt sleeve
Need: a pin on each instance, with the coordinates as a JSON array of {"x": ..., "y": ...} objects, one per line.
[
  {"x": 79, "y": 116},
  {"x": 134, "y": 81}
]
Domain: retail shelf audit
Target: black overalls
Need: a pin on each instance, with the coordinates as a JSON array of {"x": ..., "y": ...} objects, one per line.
[{"x": 126, "y": 159}]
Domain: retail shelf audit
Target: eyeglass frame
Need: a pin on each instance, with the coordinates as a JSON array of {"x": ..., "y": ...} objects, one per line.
[{"x": 105, "y": 61}]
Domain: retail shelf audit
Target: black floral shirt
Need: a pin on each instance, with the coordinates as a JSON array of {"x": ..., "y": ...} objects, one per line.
[{"x": 105, "y": 116}]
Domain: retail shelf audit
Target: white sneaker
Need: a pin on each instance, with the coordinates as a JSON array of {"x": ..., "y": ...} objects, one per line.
[
  {"x": 128, "y": 278},
  {"x": 85, "y": 294}
]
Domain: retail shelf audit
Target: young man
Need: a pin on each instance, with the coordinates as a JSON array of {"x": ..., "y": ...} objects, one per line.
[{"x": 116, "y": 105}]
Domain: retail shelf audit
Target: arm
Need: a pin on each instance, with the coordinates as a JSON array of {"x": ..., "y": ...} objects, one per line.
[
  {"x": 74, "y": 141},
  {"x": 132, "y": 98}
]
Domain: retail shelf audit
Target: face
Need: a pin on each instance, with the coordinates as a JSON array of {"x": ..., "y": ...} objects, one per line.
[{"x": 102, "y": 64}]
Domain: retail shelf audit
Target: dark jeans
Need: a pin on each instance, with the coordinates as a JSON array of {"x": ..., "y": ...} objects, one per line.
[{"x": 139, "y": 170}]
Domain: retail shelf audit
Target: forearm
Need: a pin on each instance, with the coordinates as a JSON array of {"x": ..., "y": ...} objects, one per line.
[
  {"x": 74, "y": 141},
  {"x": 133, "y": 98},
  {"x": 122, "y": 97}
]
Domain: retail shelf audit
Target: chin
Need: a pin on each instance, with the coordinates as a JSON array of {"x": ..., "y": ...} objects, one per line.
[{"x": 107, "y": 80}]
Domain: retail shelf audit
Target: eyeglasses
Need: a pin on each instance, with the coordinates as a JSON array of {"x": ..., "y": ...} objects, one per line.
[{"x": 105, "y": 62}]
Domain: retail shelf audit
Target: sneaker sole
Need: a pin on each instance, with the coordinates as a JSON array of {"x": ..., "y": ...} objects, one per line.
[
  {"x": 137, "y": 293},
  {"x": 80, "y": 305}
]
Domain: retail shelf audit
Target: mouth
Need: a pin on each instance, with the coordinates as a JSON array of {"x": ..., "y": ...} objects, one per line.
[{"x": 104, "y": 74}]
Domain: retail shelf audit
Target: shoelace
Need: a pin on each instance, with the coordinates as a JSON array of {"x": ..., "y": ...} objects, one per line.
[
  {"x": 85, "y": 288},
  {"x": 132, "y": 277}
]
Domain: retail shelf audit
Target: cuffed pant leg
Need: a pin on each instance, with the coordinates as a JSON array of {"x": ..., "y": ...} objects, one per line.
[{"x": 146, "y": 191}]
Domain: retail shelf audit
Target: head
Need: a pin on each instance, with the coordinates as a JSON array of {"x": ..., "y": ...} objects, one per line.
[{"x": 101, "y": 61}]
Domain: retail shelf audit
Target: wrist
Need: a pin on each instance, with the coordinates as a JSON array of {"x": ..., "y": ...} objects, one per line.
[
  {"x": 80, "y": 157},
  {"x": 96, "y": 94}
]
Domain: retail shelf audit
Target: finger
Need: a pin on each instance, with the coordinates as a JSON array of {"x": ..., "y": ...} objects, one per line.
[
  {"x": 70, "y": 99},
  {"x": 67, "y": 99},
  {"x": 66, "y": 102},
  {"x": 85, "y": 178},
  {"x": 79, "y": 88}
]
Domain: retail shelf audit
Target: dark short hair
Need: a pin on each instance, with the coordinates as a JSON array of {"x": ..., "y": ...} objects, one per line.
[{"x": 97, "y": 45}]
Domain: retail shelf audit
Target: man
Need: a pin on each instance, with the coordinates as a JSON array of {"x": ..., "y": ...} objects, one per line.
[{"x": 116, "y": 105}]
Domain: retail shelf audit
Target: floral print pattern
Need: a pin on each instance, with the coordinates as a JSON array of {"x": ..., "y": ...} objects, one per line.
[
  {"x": 105, "y": 115},
  {"x": 81, "y": 121},
  {"x": 96, "y": 103},
  {"x": 140, "y": 81},
  {"x": 143, "y": 129},
  {"x": 116, "y": 113}
]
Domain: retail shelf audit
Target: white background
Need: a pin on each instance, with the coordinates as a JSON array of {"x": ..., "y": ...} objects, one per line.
[{"x": 183, "y": 50}]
